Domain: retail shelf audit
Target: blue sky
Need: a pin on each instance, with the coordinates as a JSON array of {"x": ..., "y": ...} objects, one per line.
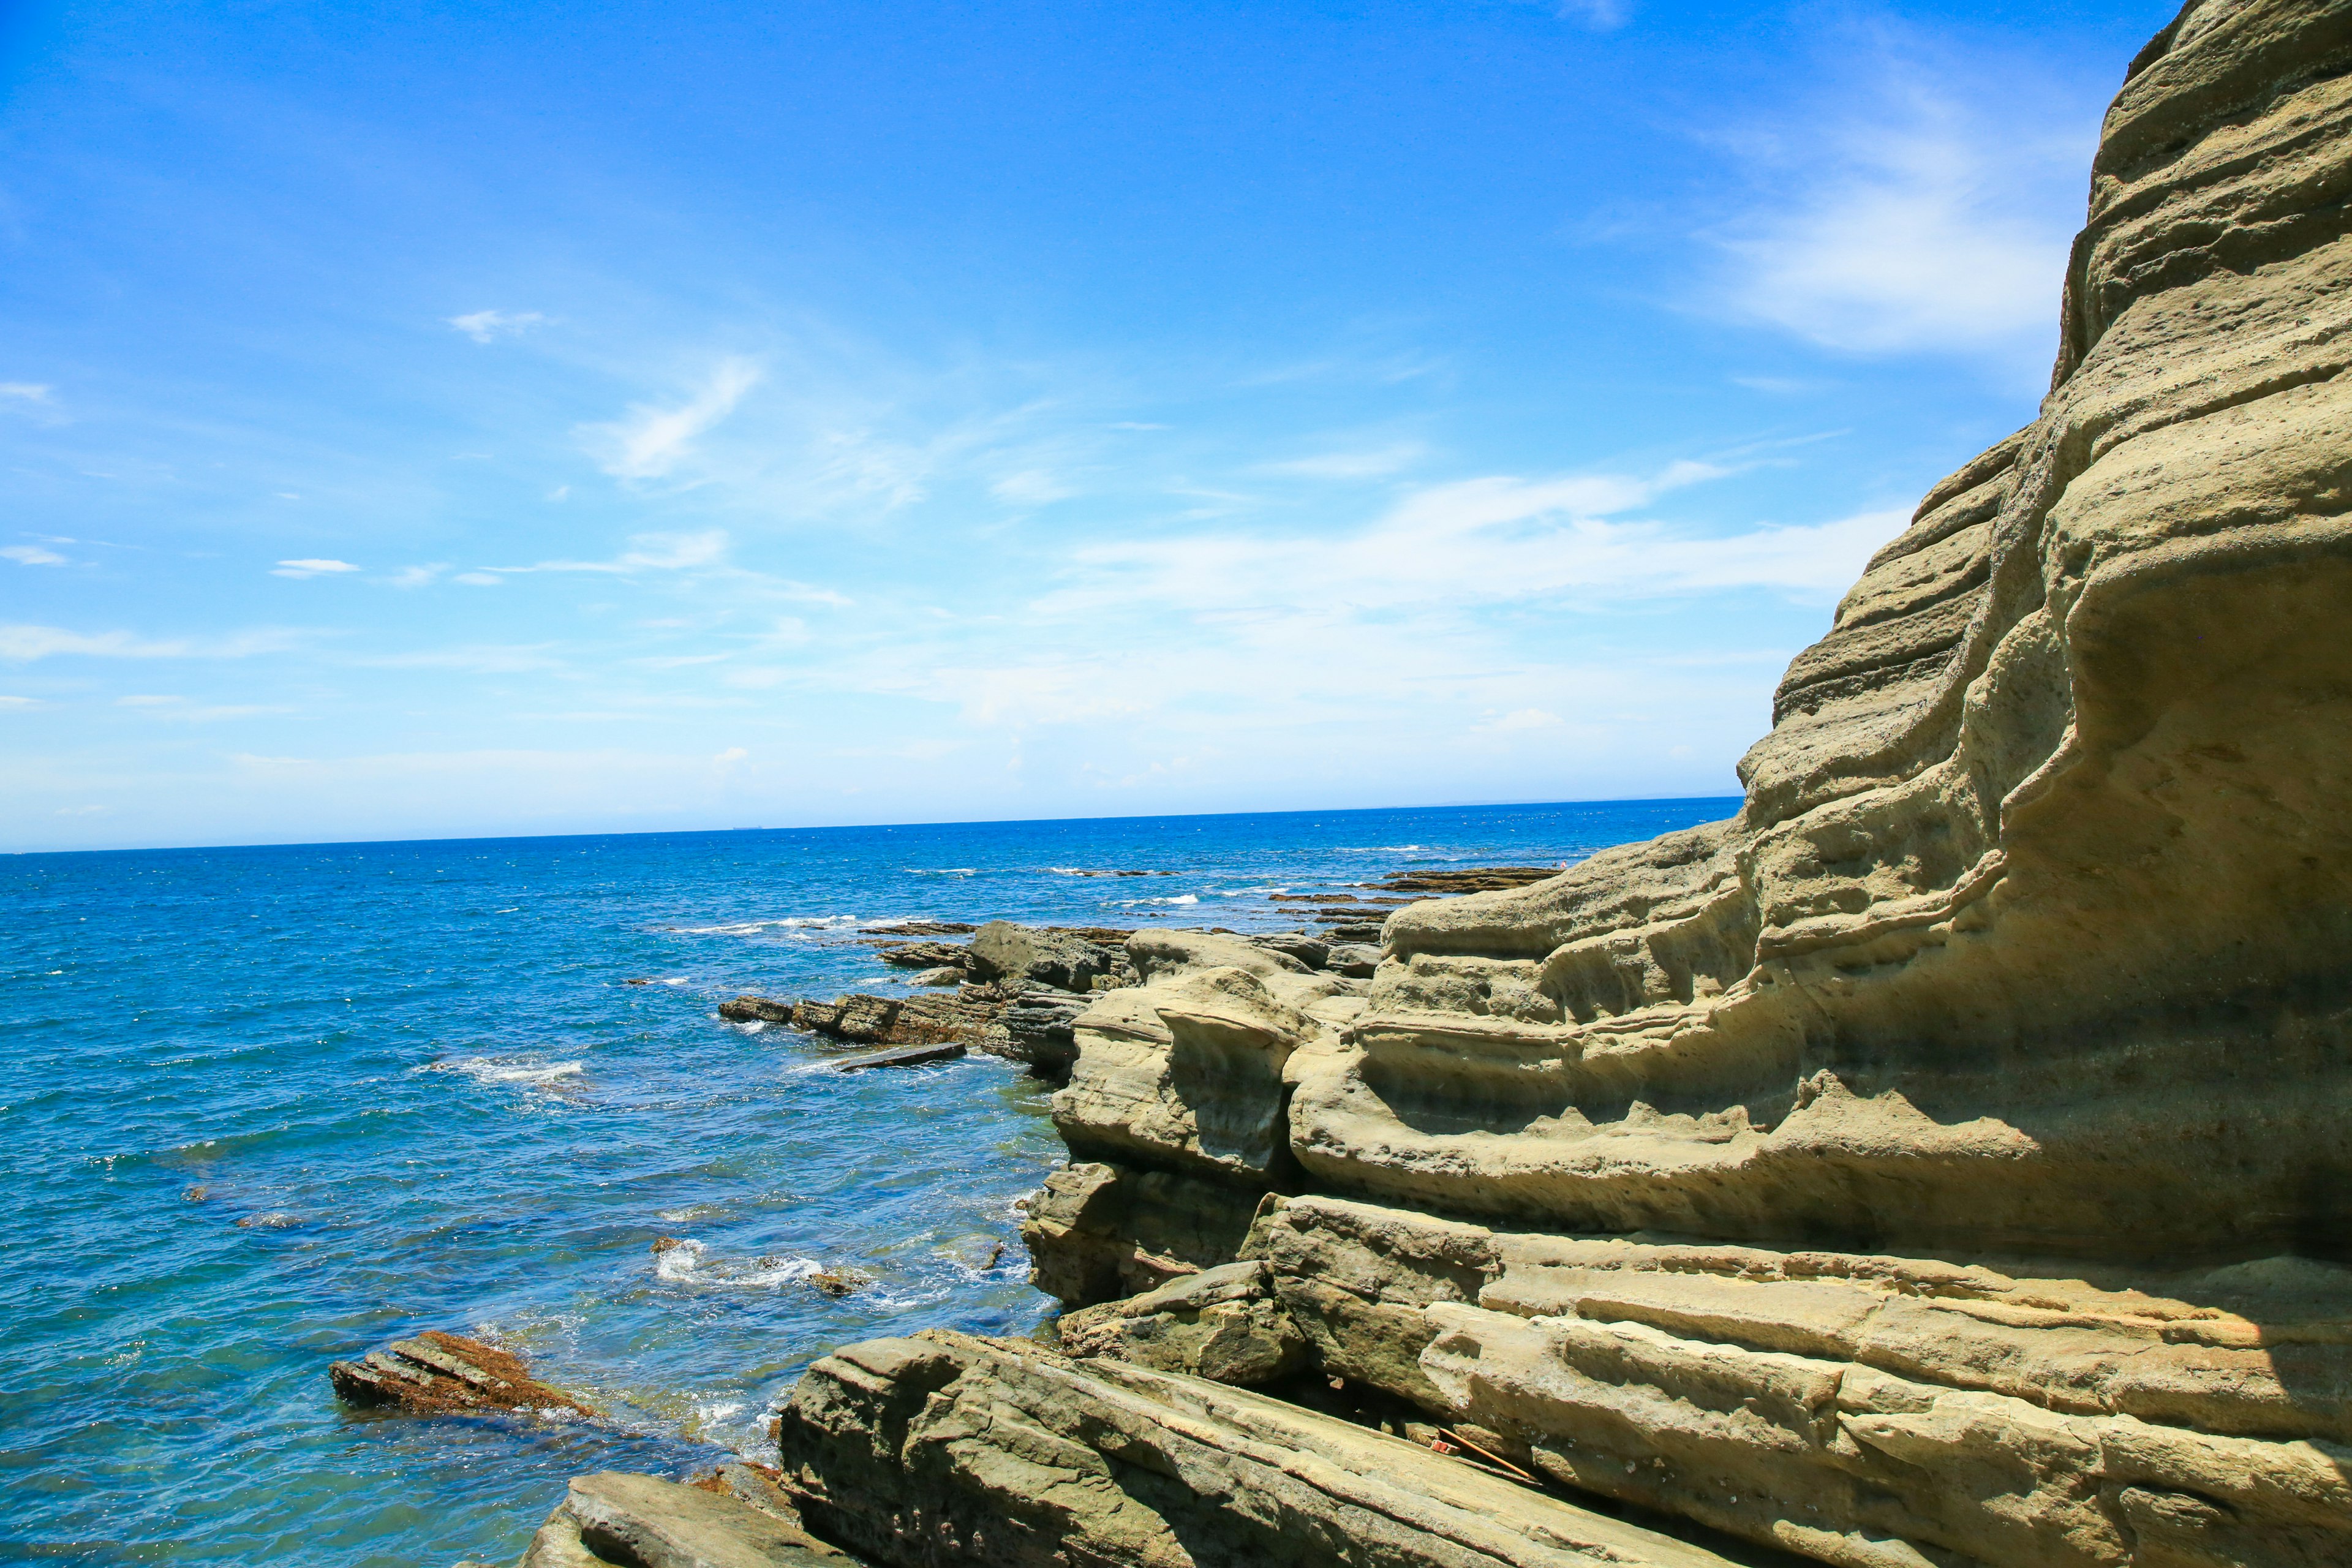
[{"x": 427, "y": 420}]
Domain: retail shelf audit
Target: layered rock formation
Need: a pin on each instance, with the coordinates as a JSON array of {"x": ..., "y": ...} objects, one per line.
[{"x": 1943, "y": 1161}]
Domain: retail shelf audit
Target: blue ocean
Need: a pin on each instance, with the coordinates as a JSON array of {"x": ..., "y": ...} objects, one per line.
[{"x": 263, "y": 1108}]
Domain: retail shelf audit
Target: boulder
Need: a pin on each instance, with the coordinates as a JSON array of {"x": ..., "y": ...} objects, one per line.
[
  {"x": 943, "y": 977},
  {"x": 749, "y": 1009},
  {"x": 926, "y": 955},
  {"x": 943, "y": 1447},
  {"x": 438, "y": 1374},
  {"x": 1040, "y": 1023},
  {"x": 1004, "y": 951},
  {"x": 1359, "y": 961},
  {"x": 1312, "y": 952},
  {"x": 1222, "y": 1324}
]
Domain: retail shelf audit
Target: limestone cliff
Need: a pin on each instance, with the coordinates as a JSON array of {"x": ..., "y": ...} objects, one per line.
[{"x": 1945, "y": 1161}]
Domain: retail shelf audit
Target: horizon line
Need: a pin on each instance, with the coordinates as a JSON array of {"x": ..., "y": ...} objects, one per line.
[{"x": 871, "y": 827}]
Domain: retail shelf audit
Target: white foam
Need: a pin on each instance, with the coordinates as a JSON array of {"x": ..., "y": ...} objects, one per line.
[
  {"x": 490, "y": 1069},
  {"x": 753, "y": 928},
  {"x": 1179, "y": 898},
  {"x": 691, "y": 1263},
  {"x": 942, "y": 871}
]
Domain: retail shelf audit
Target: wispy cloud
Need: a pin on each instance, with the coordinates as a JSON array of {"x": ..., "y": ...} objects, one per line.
[
  {"x": 18, "y": 704},
  {"x": 1929, "y": 210},
  {"x": 485, "y": 326},
  {"x": 311, "y": 567},
  {"x": 28, "y": 391},
  {"x": 1490, "y": 541},
  {"x": 646, "y": 553},
  {"x": 180, "y": 710},
  {"x": 650, "y": 441},
  {"x": 32, "y": 555},
  {"x": 1368, "y": 463},
  {"x": 22, "y": 643}
]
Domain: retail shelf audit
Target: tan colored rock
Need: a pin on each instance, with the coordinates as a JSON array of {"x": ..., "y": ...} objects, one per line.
[
  {"x": 616, "y": 1521},
  {"x": 943, "y": 1447},
  {"x": 1222, "y": 1324},
  {"x": 2038, "y": 909}
]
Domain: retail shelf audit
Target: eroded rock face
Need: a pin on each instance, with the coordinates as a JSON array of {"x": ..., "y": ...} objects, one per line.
[
  {"x": 945, "y": 1448},
  {"x": 2033, "y": 932},
  {"x": 1943, "y": 1160}
]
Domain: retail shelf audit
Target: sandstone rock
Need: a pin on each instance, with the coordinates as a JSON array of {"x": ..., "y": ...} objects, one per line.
[
  {"x": 638, "y": 1522},
  {"x": 1221, "y": 1323},
  {"x": 1097, "y": 1232},
  {"x": 1040, "y": 1023},
  {"x": 943, "y": 977},
  {"x": 438, "y": 1374},
  {"x": 926, "y": 955},
  {"x": 2036, "y": 916},
  {"x": 1358, "y": 960},
  {"x": 900, "y": 1056},
  {"x": 1473, "y": 879},
  {"x": 1309, "y": 951},
  {"x": 944, "y": 1448},
  {"x": 1823, "y": 1402},
  {"x": 749, "y": 1009},
  {"x": 1003, "y": 951}
]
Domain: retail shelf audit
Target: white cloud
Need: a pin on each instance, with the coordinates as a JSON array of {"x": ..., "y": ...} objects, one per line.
[
  {"x": 1031, "y": 486},
  {"x": 311, "y": 567},
  {"x": 1928, "y": 212},
  {"x": 1372, "y": 464},
  {"x": 731, "y": 755},
  {"x": 1491, "y": 541},
  {"x": 648, "y": 552},
  {"x": 32, "y": 555},
  {"x": 26, "y": 391},
  {"x": 650, "y": 441},
  {"x": 180, "y": 710},
  {"x": 18, "y": 704},
  {"x": 21, "y": 644},
  {"x": 418, "y": 576},
  {"x": 483, "y": 326},
  {"x": 1525, "y": 719}
]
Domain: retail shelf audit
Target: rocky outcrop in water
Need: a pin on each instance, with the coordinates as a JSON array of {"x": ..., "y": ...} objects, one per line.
[{"x": 438, "y": 1374}]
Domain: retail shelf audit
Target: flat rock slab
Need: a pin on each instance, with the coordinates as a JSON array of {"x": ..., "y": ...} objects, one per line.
[
  {"x": 616, "y": 1521},
  {"x": 903, "y": 1057},
  {"x": 995, "y": 1452}
]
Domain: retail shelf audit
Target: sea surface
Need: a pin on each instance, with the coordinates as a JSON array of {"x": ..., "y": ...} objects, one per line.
[{"x": 264, "y": 1108}]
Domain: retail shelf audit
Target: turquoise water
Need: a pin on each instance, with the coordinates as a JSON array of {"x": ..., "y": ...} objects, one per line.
[{"x": 263, "y": 1108}]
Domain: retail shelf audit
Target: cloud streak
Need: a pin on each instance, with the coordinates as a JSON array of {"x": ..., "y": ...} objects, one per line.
[{"x": 650, "y": 441}]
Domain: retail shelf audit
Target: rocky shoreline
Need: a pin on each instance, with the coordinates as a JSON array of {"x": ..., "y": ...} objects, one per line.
[{"x": 1941, "y": 1164}]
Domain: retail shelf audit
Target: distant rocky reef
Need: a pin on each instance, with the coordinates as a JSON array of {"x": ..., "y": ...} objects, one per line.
[{"x": 1941, "y": 1164}]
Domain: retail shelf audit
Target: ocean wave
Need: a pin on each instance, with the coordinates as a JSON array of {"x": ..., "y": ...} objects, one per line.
[
  {"x": 492, "y": 1069},
  {"x": 1179, "y": 898},
  {"x": 941, "y": 871},
  {"x": 1246, "y": 892},
  {"x": 689, "y": 1262},
  {"x": 753, "y": 928}
]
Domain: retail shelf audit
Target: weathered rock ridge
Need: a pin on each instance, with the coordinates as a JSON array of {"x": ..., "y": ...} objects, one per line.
[{"x": 1941, "y": 1164}]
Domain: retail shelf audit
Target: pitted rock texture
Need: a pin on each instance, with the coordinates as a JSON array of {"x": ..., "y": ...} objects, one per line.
[
  {"x": 1860, "y": 1409},
  {"x": 2034, "y": 933},
  {"x": 1943, "y": 1161},
  {"x": 943, "y": 1448}
]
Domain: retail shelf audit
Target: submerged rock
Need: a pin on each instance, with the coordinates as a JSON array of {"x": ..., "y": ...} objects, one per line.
[
  {"x": 638, "y": 1521},
  {"x": 438, "y": 1374}
]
